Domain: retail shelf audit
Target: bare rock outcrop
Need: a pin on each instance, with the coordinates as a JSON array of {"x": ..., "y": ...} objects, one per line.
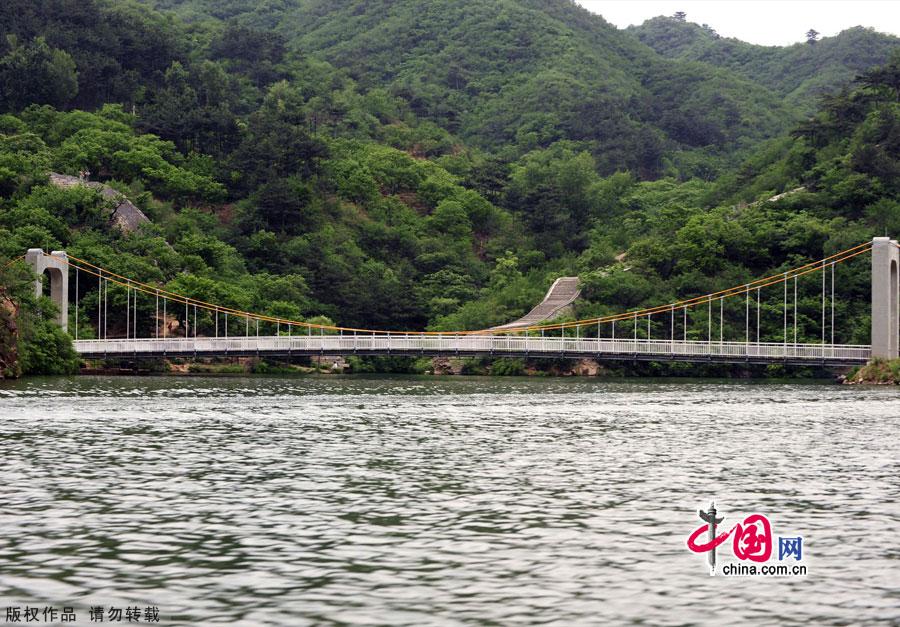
[
  {"x": 125, "y": 216},
  {"x": 9, "y": 338},
  {"x": 446, "y": 366}
]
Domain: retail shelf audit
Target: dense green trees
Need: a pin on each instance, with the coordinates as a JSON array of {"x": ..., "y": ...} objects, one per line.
[
  {"x": 515, "y": 76},
  {"x": 117, "y": 47},
  {"x": 30, "y": 340},
  {"x": 359, "y": 229},
  {"x": 397, "y": 165},
  {"x": 801, "y": 72},
  {"x": 34, "y": 72},
  {"x": 839, "y": 172},
  {"x": 44, "y": 348}
]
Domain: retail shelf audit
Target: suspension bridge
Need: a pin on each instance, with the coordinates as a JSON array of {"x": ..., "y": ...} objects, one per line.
[{"x": 696, "y": 329}]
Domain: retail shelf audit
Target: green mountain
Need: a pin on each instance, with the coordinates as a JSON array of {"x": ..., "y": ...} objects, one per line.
[
  {"x": 801, "y": 73},
  {"x": 292, "y": 162},
  {"x": 508, "y": 76}
]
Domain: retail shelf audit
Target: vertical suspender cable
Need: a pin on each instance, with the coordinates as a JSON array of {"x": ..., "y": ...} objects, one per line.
[
  {"x": 187, "y": 326},
  {"x": 100, "y": 305},
  {"x": 226, "y": 324},
  {"x": 832, "y": 303},
  {"x": 823, "y": 302},
  {"x": 685, "y": 324},
  {"x": 795, "y": 309},
  {"x": 127, "y": 310},
  {"x": 709, "y": 319},
  {"x": 758, "y": 312},
  {"x": 672, "y": 329},
  {"x": 106, "y": 310},
  {"x": 785, "y": 308},
  {"x": 721, "y": 319},
  {"x": 164, "y": 318},
  {"x": 157, "y": 314},
  {"x": 747, "y": 318},
  {"x": 195, "y": 320},
  {"x": 76, "y": 303}
]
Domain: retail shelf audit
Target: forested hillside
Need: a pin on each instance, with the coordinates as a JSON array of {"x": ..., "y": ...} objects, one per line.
[
  {"x": 509, "y": 76},
  {"x": 801, "y": 73},
  {"x": 401, "y": 165}
]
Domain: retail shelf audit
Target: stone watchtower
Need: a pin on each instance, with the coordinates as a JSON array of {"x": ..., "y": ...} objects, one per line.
[{"x": 56, "y": 265}]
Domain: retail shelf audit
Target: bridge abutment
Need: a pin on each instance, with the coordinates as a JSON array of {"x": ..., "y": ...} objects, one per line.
[
  {"x": 885, "y": 298},
  {"x": 57, "y": 267}
]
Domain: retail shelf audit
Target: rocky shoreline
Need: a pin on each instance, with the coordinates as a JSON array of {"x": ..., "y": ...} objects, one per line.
[
  {"x": 443, "y": 367},
  {"x": 876, "y": 372}
]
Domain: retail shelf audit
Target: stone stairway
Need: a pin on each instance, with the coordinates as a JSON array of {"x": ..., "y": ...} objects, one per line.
[{"x": 560, "y": 295}]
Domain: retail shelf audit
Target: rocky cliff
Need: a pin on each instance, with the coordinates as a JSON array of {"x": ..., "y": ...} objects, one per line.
[
  {"x": 9, "y": 336},
  {"x": 125, "y": 216}
]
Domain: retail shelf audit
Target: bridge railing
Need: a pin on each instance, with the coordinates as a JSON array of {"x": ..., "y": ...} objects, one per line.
[{"x": 471, "y": 344}]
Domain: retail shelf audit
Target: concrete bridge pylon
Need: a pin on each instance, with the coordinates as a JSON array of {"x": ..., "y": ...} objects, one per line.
[
  {"x": 885, "y": 298},
  {"x": 56, "y": 266}
]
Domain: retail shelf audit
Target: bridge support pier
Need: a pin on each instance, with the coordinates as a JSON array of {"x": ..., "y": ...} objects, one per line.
[
  {"x": 55, "y": 265},
  {"x": 885, "y": 298}
]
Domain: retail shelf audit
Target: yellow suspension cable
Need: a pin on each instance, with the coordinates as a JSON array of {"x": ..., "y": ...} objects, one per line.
[
  {"x": 720, "y": 295},
  {"x": 697, "y": 300},
  {"x": 12, "y": 261}
]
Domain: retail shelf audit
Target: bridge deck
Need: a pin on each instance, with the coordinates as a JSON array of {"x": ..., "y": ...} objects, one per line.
[{"x": 481, "y": 345}]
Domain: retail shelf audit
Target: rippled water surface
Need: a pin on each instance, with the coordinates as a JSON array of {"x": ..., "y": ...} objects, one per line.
[{"x": 416, "y": 501}]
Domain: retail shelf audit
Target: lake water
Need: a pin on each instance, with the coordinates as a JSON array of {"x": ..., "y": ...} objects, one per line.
[{"x": 444, "y": 501}]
